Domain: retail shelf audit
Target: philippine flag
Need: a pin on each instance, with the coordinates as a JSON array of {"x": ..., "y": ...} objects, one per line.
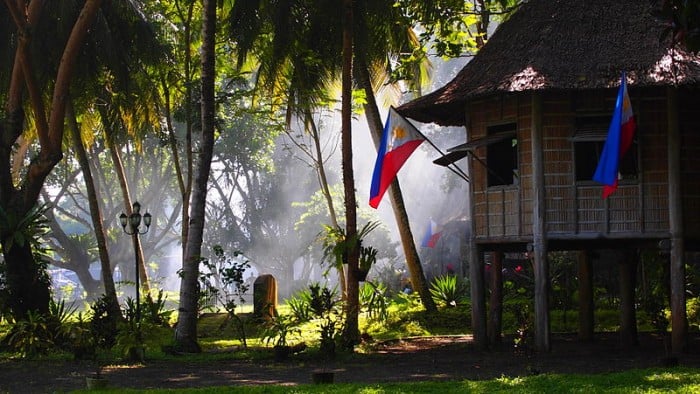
[
  {"x": 620, "y": 136},
  {"x": 432, "y": 234},
  {"x": 399, "y": 139}
]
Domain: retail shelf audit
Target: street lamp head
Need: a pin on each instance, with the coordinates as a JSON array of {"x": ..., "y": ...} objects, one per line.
[
  {"x": 135, "y": 220},
  {"x": 123, "y": 220},
  {"x": 147, "y": 219},
  {"x": 136, "y": 207}
]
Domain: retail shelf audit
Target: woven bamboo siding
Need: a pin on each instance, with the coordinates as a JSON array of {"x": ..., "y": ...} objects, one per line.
[
  {"x": 496, "y": 210},
  {"x": 624, "y": 211},
  {"x": 690, "y": 160},
  {"x": 639, "y": 208},
  {"x": 558, "y": 165},
  {"x": 525, "y": 165},
  {"x": 650, "y": 112},
  {"x": 480, "y": 113},
  {"x": 591, "y": 213}
]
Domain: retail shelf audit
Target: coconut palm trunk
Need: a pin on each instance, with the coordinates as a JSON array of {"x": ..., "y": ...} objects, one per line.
[
  {"x": 351, "y": 335},
  {"x": 186, "y": 334},
  {"x": 415, "y": 269}
]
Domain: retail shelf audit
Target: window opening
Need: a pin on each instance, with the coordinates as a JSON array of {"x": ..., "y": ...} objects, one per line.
[
  {"x": 502, "y": 156},
  {"x": 589, "y": 139}
]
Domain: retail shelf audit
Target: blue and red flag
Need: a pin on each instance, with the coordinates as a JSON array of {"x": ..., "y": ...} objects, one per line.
[
  {"x": 399, "y": 139},
  {"x": 432, "y": 234},
  {"x": 619, "y": 140}
]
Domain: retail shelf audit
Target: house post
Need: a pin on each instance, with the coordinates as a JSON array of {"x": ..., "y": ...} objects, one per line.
[
  {"x": 539, "y": 244},
  {"x": 675, "y": 218},
  {"x": 585, "y": 297},
  {"x": 628, "y": 284},
  {"x": 496, "y": 298}
]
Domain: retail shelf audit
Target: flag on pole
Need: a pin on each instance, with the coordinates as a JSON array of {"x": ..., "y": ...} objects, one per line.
[
  {"x": 399, "y": 139},
  {"x": 432, "y": 234},
  {"x": 620, "y": 136}
]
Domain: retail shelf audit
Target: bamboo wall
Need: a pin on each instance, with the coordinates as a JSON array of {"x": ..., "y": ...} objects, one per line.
[{"x": 575, "y": 210}]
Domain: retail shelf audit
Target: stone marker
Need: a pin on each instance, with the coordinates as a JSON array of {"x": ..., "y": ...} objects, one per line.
[{"x": 265, "y": 296}]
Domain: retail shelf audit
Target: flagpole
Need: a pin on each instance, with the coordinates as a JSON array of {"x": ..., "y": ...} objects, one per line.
[{"x": 456, "y": 170}]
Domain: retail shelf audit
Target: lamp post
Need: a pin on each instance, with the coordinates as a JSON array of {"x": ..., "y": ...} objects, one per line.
[{"x": 133, "y": 222}]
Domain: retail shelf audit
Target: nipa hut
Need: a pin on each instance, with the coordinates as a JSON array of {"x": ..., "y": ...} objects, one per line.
[{"x": 536, "y": 103}]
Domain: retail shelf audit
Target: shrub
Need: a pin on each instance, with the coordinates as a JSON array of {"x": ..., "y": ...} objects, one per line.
[
  {"x": 102, "y": 324},
  {"x": 444, "y": 290},
  {"x": 30, "y": 336},
  {"x": 373, "y": 299},
  {"x": 300, "y": 306}
]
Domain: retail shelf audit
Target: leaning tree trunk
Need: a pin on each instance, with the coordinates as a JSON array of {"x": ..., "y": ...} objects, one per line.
[
  {"x": 415, "y": 269},
  {"x": 126, "y": 195},
  {"x": 186, "y": 334},
  {"x": 95, "y": 214},
  {"x": 323, "y": 180}
]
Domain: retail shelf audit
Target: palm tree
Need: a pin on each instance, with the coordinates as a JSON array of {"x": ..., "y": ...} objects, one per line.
[{"x": 186, "y": 333}]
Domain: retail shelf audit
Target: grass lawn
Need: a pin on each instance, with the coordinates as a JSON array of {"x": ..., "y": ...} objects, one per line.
[{"x": 677, "y": 380}]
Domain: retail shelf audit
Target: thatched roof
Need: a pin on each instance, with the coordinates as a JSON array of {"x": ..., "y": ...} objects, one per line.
[{"x": 563, "y": 44}]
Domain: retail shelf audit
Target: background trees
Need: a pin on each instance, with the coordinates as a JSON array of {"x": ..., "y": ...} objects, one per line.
[{"x": 143, "y": 118}]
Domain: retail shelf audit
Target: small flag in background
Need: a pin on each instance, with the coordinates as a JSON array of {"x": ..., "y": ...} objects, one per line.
[
  {"x": 399, "y": 139},
  {"x": 432, "y": 234},
  {"x": 620, "y": 136}
]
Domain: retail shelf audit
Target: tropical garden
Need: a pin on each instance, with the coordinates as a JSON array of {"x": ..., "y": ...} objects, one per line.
[{"x": 227, "y": 131}]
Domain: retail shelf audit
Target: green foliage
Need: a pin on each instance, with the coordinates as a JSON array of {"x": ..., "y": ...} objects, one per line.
[
  {"x": 278, "y": 329},
  {"x": 103, "y": 324},
  {"x": 31, "y": 336},
  {"x": 80, "y": 339},
  {"x": 336, "y": 245},
  {"x": 154, "y": 310},
  {"x": 300, "y": 305},
  {"x": 37, "y": 333},
  {"x": 693, "y": 313},
  {"x": 373, "y": 300},
  {"x": 221, "y": 280},
  {"x": 445, "y": 291},
  {"x": 681, "y": 19},
  {"x": 29, "y": 228},
  {"x": 326, "y": 308}
]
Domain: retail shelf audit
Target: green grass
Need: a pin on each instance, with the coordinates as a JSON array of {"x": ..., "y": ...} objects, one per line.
[
  {"x": 407, "y": 319},
  {"x": 677, "y": 380}
]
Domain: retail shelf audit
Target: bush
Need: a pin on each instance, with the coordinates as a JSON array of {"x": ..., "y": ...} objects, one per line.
[
  {"x": 31, "y": 336},
  {"x": 373, "y": 299},
  {"x": 102, "y": 324},
  {"x": 444, "y": 291}
]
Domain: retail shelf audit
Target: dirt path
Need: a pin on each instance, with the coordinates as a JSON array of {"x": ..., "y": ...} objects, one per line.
[{"x": 437, "y": 358}]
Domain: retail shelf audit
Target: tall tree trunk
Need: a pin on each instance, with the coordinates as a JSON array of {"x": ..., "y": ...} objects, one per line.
[
  {"x": 351, "y": 336},
  {"x": 183, "y": 171},
  {"x": 95, "y": 212},
  {"x": 415, "y": 269},
  {"x": 186, "y": 334}
]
